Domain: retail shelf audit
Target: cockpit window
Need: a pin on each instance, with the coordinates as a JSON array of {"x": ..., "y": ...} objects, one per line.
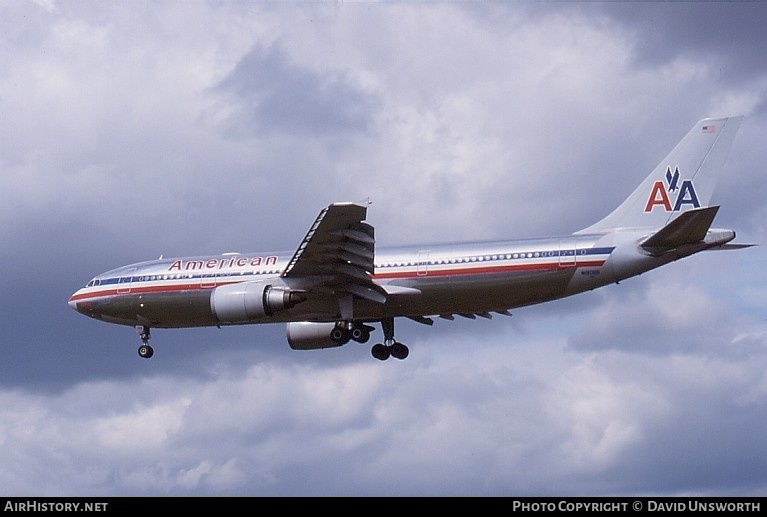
[{"x": 93, "y": 283}]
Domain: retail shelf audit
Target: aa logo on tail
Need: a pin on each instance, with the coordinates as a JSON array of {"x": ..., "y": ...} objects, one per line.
[{"x": 660, "y": 193}]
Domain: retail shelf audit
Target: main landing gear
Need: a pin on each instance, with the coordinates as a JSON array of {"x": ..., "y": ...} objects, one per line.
[
  {"x": 351, "y": 331},
  {"x": 389, "y": 347},
  {"x": 356, "y": 331},
  {"x": 144, "y": 350}
]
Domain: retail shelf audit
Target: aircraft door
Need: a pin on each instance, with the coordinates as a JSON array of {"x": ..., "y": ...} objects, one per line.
[
  {"x": 125, "y": 281},
  {"x": 422, "y": 266},
  {"x": 567, "y": 256},
  {"x": 208, "y": 280}
]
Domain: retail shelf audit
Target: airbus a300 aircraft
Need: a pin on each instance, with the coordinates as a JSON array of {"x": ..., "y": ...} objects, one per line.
[{"x": 338, "y": 283}]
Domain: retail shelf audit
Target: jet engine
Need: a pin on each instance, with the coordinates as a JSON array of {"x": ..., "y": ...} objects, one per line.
[
  {"x": 310, "y": 335},
  {"x": 247, "y": 302}
]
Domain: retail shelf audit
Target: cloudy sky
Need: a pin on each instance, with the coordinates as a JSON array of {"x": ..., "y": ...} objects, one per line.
[{"x": 134, "y": 129}]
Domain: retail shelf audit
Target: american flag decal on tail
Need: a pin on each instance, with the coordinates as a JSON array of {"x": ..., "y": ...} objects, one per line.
[{"x": 709, "y": 129}]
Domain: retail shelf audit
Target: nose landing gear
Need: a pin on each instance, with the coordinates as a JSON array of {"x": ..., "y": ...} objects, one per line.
[{"x": 144, "y": 350}]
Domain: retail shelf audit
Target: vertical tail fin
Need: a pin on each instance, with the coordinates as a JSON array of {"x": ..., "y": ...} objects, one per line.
[{"x": 685, "y": 179}]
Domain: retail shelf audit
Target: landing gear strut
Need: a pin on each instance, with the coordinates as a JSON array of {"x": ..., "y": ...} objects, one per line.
[
  {"x": 390, "y": 347},
  {"x": 144, "y": 350}
]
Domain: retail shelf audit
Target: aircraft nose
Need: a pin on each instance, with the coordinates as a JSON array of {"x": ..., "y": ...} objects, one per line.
[{"x": 73, "y": 302}]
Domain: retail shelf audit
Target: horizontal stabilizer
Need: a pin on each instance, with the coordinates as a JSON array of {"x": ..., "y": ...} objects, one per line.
[
  {"x": 689, "y": 228},
  {"x": 735, "y": 246}
]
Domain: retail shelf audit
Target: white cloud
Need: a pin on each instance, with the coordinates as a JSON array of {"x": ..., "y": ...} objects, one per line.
[{"x": 440, "y": 423}]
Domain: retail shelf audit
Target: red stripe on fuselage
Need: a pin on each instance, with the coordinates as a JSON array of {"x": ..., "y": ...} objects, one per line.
[{"x": 144, "y": 290}]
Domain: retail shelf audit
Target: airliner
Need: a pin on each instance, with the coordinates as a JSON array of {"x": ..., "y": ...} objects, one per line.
[{"x": 338, "y": 284}]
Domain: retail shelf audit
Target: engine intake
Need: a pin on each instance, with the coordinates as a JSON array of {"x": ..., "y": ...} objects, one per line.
[{"x": 251, "y": 301}]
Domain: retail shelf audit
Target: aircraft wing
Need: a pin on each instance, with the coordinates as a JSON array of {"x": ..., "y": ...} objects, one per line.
[{"x": 339, "y": 248}]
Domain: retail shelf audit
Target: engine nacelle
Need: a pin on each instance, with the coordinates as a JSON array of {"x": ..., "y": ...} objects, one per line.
[
  {"x": 310, "y": 335},
  {"x": 251, "y": 301}
]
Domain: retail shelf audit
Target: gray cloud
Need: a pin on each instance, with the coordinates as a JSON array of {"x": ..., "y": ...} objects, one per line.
[
  {"x": 270, "y": 94},
  {"x": 728, "y": 35}
]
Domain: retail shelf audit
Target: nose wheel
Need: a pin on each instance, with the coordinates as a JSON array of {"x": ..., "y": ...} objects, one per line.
[{"x": 145, "y": 350}]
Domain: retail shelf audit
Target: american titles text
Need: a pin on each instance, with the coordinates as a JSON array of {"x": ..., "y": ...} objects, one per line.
[{"x": 222, "y": 263}]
